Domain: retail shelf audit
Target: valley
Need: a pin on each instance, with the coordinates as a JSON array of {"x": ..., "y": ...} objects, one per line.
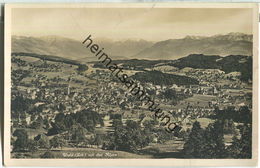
[{"x": 65, "y": 108}]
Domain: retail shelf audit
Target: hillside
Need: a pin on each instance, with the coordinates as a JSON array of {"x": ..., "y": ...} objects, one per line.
[
  {"x": 197, "y": 61},
  {"x": 50, "y": 45},
  {"x": 231, "y": 63},
  {"x": 223, "y": 45},
  {"x": 159, "y": 78},
  {"x": 48, "y": 58},
  {"x": 73, "y": 49},
  {"x": 133, "y": 64}
]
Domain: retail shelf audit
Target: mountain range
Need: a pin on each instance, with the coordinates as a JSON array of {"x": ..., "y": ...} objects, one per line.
[
  {"x": 73, "y": 49},
  {"x": 222, "y": 45}
]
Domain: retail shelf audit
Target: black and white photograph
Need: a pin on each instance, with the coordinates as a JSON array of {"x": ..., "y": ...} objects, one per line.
[{"x": 113, "y": 81}]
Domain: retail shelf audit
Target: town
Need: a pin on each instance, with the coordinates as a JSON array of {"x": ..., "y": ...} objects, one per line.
[{"x": 62, "y": 106}]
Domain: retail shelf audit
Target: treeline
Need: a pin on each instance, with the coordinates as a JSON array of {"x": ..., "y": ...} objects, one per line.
[
  {"x": 133, "y": 64},
  {"x": 159, "y": 78},
  {"x": 209, "y": 143},
  {"x": 228, "y": 64},
  {"x": 131, "y": 137},
  {"x": 66, "y": 130},
  {"x": 24, "y": 144},
  {"x": 173, "y": 96},
  {"x": 70, "y": 131},
  {"x": 242, "y": 115},
  {"x": 231, "y": 63},
  {"x": 48, "y": 58},
  {"x": 20, "y": 106},
  {"x": 199, "y": 61},
  {"x": 87, "y": 119}
]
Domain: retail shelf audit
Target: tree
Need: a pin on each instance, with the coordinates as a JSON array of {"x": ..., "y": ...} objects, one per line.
[
  {"x": 132, "y": 125},
  {"x": 20, "y": 133},
  {"x": 169, "y": 94},
  {"x": 69, "y": 121},
  {"x": 149, "y": 124},
  {"x": 235, "y": 149},
  {"x": 32, "y": 145},
  {"x": 229, "y": 127},
  {"x": 116, "y": 116},
  {"x": 43, "y": 141},
  {"x": 214, "y": 141},
  {"x": 61, "y": 107},
  {"x": 128, "y": 138},
  {"x": 57, "y": 142},
  {"x": 193, "y": 147},
  {"x": 58, "y": 126},
  {"x": 82, "y": 68},
  {"x": 90, "y": 126},
  {"x": 242, "y": 148},
  {"x": 22, "y": 139},
  {"x": 184, "y": 134},
  {"x": 59, "y": 122},
  {"x": 88, "y": 119},
  {"x": 117, "y": 123},
  {"x": 245, "y": 114},
  {"x": 98, "y": 140},
  {"x": 19, "y": 106},
  {"x": 78, "y": 133},
  {"x": 246, "y": 142}
]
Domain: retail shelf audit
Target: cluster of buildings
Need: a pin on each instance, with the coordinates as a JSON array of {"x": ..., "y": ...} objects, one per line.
[{"x": 67, "y": 93}]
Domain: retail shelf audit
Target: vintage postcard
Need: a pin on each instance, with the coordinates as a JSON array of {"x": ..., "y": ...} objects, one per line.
[{"x": 131, "y": 84}]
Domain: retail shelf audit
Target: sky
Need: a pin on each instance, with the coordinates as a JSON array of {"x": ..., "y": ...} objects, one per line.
[{"x": 153, "y": 24}]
